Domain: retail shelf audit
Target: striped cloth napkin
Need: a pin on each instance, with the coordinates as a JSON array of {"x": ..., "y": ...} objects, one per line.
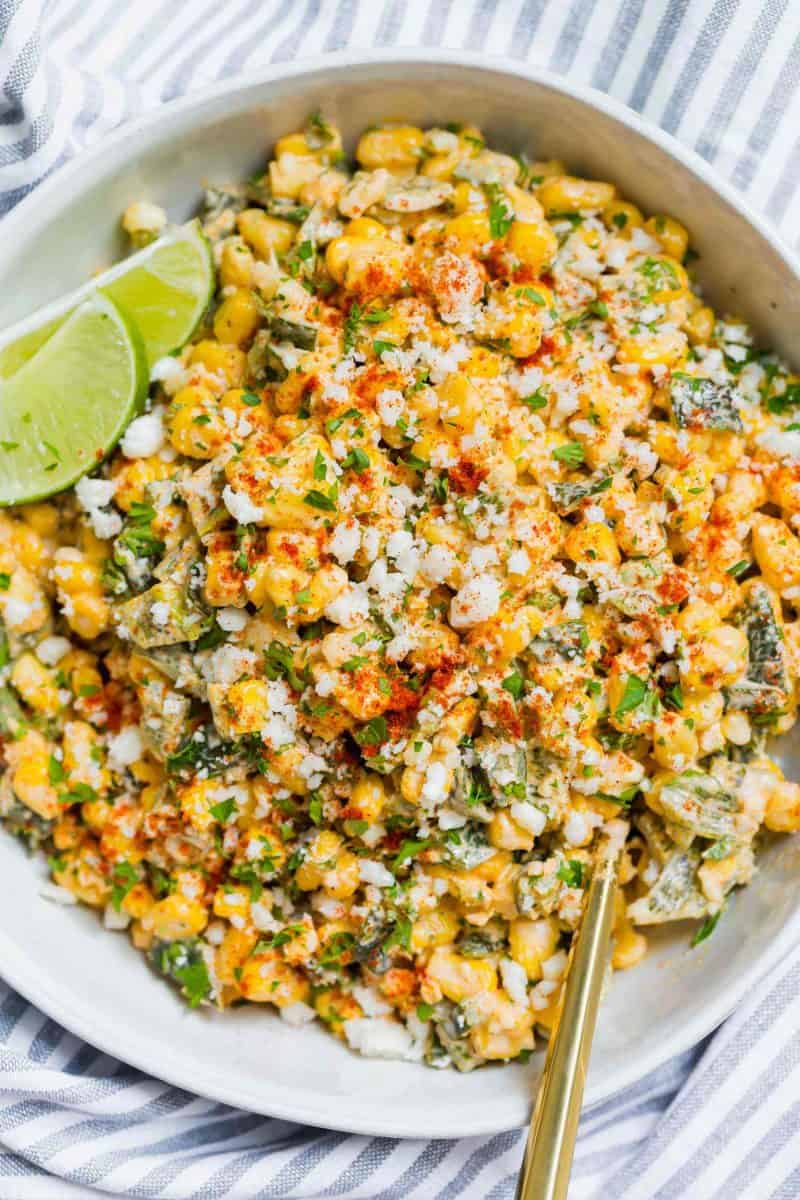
[{"x": 721, "y": 1120}]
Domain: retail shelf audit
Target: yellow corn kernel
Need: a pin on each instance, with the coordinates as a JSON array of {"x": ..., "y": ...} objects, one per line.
[
  {"x": 673, "y": 237},
  {"x": 365, "y": 227},
  {"x": 470, "y": 231},
  {"x": 527, "y": 209},
  {"x": 441, "y": 166},
  {"x": 236, "y": 263},
  {"x": 565, "y": 193},
  {"x": 697, "y": 619},
  {"x": 717, "y": 660},
  {"x": 36, "y": 685},
  {"x": 667, "y": 347},
  {"x": 368, "y": 798},
  {"x": 460, "y": 402},
  {"x": 237, "y": 318},
  {"x": 342, "y": 879},
  {"x": 133, "y": 475},
  {"x": 675, "y": 743},
  {"x": 506, "y": 834},
  {"x": 196, "y": 432},
  {"x": 467, "y": 197},
  {"x": 232, "y": 952},
  {"x": 630, "y": 947},
  {"x": 592, "y": 541},
  {"x": 291, "y": 173},
  {"x": 523, "y": 331},
  {"x": 504, "y": 1043},
  {"x": 783, "y": 807},
  {"x": 138, "y": 901},
  {"x": 622, "y": 218},
  {"x": 82, "y": 876},
  {"x": 23, "y": 605},
  {"x": 374, "y": 266},
  {"x": 83, "y": 759},
  {"x": 232, "y": 901},
  {"x": 228, "y": 361},
  {"x": 141, "y": 939},
  {"x": 247, "y": 703},
  {"x": 393, "y": 146},
  {"x": 42, "y": 518},
  {"x": 745, "y": 492},
  {"x": 292, "y": 143},
  {"x": 700, "y": 326},
  {"x": 532, "y": 942},
  {"x": 535, "y": 245},
  {"x": 267, "y": 979},
  {"x": 777, "y": 551},
  {"x": 195, "y": 801},
  {"x": 266, "y": 235},
  {"x": 28, "y": 760},
  {"x": 335, "y": 1007},
  {"x": 175, "y": 917},
  {"x": 143, "y": 221},
  {"x": 458, "y": 977},
  {"x": 437, "y": 927},
  {"x": 320, "y": 856}
]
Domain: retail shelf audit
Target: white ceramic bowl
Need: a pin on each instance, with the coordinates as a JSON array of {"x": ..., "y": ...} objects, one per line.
[{"x": 93, "y": 982}]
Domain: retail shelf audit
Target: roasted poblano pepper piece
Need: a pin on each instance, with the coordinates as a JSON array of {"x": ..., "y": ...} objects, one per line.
[
  {"x": 267, "y": 363},
  {"x": 567, "y": 496},
  {"x": 300, "y": 335},
  {"x": 566, "y": 642},
  {"x": 11, "y": 715},
  {"x": 505, "y": 767},
  {"x": 674, "y": 896},
  {"x": 163, "y": 616},
  {"x": 467, "y": 847},
  {"x": 766, "y": 686},
  {"x": 696, "y": 802},
  {"x": 702, "y": 404}
]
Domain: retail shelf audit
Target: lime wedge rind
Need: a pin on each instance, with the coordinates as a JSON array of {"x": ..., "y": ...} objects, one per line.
[
  {"x": 185, "y": 253},
  {"x": 66, "y": 408}
]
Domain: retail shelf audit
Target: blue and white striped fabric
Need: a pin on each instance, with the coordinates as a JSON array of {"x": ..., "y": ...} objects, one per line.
[{"x": 722, "y": 1120}]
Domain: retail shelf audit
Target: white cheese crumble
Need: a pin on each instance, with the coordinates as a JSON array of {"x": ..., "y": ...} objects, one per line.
[
  {"x": 780, "y": 443},
  {"x": 94, "y": 495},
  {"x": 370, "y": 871},
  {"x": 514, "y": 980},
  {"x": 240, "y": 506},
  {"x": 144, "y": 436},
  {"x": 344, "y": 541},
  {"x": 476, "y": 601},
  {"x": 125, "y": 747},
  {"x": 376, "y": 1037},
  {"x": 232, "y": 620},
  {"x": 529, "y": 817},
  {"x": 52, "y": 649},
  {"x": 159, "y": 613}
]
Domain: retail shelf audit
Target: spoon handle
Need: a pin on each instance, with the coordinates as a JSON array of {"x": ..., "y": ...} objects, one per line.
[{"x": 547, "y": 1163}]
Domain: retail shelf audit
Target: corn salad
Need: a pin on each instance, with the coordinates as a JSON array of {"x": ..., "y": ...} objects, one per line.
[{"x": 462, "y": 537}]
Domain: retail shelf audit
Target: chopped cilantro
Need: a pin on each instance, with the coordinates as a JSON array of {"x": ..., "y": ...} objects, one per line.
[
  {"x": 570, "y": 454},
  {"x": 514, "y": 684},
  {"x": 223, "y": 811},
  {"x": 570, "y": 872},
  {"x": 706, "y": 929}
]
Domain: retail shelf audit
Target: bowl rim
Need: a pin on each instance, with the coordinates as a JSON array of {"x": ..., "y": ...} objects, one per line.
[{"x": 22, "y": 970}]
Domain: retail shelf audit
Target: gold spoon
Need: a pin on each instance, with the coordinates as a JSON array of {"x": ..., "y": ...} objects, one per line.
[{"x": 547, "y": 1162}]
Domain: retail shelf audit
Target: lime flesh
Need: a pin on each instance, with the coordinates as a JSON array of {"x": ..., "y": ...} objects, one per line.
[
  {"x": 67, "y": 406},
  {"x": 165, "y": 288}
]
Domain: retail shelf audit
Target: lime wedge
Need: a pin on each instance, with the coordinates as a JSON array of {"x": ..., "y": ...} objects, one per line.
[
  {"x": 165, "y": 288},
  {"x": 67, "y": 406}
]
